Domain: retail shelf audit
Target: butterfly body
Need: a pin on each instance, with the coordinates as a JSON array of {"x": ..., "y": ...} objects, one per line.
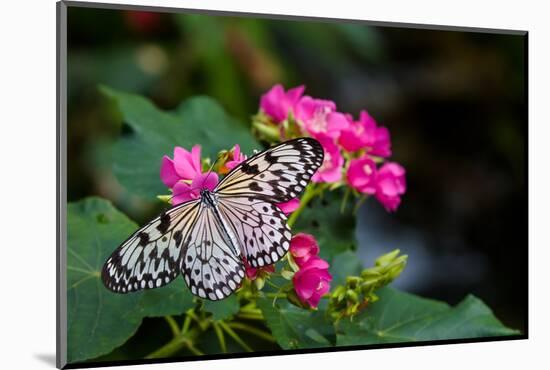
[
  {"x": 205, "y": 239},
  {"x": 209, "y": 199}
]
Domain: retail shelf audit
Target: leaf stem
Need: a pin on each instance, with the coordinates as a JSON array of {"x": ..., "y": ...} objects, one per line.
[
  {"x": 219, "y": 334},
  {"x": 235, "y": 337},
  {"x": 247, "y": 316},
  {"x": 186, "y": 323},
  {"x": 252, "y": 330},
  {"x": 173, "y": 325}
]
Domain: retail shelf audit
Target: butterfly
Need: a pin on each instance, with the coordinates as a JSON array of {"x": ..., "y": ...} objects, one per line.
[{"x": 205, "y": 239}]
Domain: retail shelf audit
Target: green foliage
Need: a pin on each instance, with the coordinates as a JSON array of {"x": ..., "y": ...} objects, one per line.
[
  {"x": 344, "y": 265},
  {"x": 402, "y": 317},
  {"x": 223, "y": 309},
  {"x": 198, "y": 120},
  {"x": 294, "y": 327},
  {"x": 333, "y": 230},
  {"x": 99, "y": 320}
]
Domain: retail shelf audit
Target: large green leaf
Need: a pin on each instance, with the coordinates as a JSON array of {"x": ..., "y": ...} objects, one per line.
[
  {"x": 95, "y": 228},
  {"x": 154, "y": 133},
  {"x": 295, "y": 327},
  {"x": 223, "y": 309},
  {"x": 343, "y": 265},
  {"x": 333, "y": 229},
  {"x": 402, "y": 317},
  {"x": 172, "y": 299},
  {"x": 98, "y": 319}
]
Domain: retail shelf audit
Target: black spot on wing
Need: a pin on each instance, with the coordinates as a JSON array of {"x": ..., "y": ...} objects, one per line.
[
  {"x": 164, "y": 223},
  {"x": 143, "y": 238}
]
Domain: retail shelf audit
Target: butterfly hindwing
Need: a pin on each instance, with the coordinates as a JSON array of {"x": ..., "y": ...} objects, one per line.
[
  {"x": 210, "y": 268},
  {"x": 277, "y": 174},
  {"x": 150, "y": 257},
  {"x": 260, "y": 227}
]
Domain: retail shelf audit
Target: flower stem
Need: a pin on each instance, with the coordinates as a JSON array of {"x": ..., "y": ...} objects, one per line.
[
  {"x": 252, "y": 330},
  {"x": 249, "y": 316},
  {"x": 235, "y": 337},
  {"x": 221, "y": 338},
  {"x": 186, "y": 323},
  {"x": 173, "y": 325},
  {"x": 311, "y": 191},
  {"x": 175, "y": 345}
]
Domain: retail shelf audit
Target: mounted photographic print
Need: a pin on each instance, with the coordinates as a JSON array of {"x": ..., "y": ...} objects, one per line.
[{"x": 236, "y": 185}]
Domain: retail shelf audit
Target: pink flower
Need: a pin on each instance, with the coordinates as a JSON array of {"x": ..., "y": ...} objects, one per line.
[
  {"x": 290, "y": 206},
  {"x": 182, "y": 191},
  {"x": 252, "y": 273},
  {"x": 365, "y": 133},
  {"x": 320, "y": 118},
  {"x": 331, "y": 169},
  {"x": 276, "y": 103},
  {"x": 184, "y": 176},
  {"x": 361, "y": 175},
  {"x": 390, "y": 185},
  {"x": 312, "y": 281},
  {"x": 303, "y": 247},
  {"x": 238, "y": 157}
]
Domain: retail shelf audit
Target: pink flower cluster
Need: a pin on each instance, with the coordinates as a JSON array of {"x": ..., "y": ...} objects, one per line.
[
  {"x": 312, "y": 280},
  {"x": 351, "y": 146}
]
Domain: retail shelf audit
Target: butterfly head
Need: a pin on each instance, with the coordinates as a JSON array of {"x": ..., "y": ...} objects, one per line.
[{"x": 208, "y": 198}]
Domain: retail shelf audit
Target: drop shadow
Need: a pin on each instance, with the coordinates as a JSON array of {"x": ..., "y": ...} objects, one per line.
[{"x": 47, "y": 358}]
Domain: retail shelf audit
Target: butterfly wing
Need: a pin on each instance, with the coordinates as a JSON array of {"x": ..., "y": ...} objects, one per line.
[
  {"x": 210, "y": 268},
  {"x": 150, "y": 258},
  {"x": 277, "y": 174},
  {"x": 248, "y": 194},
  {"x": 260, "y": 227}
]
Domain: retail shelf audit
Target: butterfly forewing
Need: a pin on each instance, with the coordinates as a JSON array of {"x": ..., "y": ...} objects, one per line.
[
  {"x": 277, "y": 174},
  {"x": 210, "y": 268},
  {"x": 150, "y": 257}
]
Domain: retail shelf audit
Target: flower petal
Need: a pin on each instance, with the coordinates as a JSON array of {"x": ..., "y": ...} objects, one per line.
[
  {"x": 290, "y": 206},
  {"x": 183, "y": 164},
  {"x": 205, "y": 181},
  {"x": 168, "y": 173},
  {"x": 183, "y": 192}
]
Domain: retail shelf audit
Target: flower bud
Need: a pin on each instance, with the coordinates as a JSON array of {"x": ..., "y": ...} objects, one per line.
[
  {"x": 352, "y": 296},
  {"x": 386, "y": 258},
  {"x": 259, "y": 282},
  {"x": 164, "y": 198},
  {"x": 287, "y": 274}
]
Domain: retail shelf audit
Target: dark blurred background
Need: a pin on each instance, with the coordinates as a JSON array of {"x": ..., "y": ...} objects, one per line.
[{"x": 454, "y": 102}]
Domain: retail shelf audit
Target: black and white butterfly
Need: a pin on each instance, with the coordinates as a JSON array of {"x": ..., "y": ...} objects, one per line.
[{"x": 205, "y": 238}]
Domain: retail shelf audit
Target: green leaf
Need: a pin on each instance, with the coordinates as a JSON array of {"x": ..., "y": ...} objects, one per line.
[
  {"x": 223, "y": 309},
  {"x": 334, "y": 230},
  {"x": 402, "y": 317},
  {"x": 95, "y": 229},
  {"x": 199, "y": 120},
  {"x": 344, "y": 265},
  {"x": 172, "y": 299},
  {"x": 294, "y": 327},
  {"x": 98, "y": 319}
]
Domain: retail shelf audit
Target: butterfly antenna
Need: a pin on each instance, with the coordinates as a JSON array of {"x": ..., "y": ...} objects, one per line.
[{"x": 210, "y": 171}]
